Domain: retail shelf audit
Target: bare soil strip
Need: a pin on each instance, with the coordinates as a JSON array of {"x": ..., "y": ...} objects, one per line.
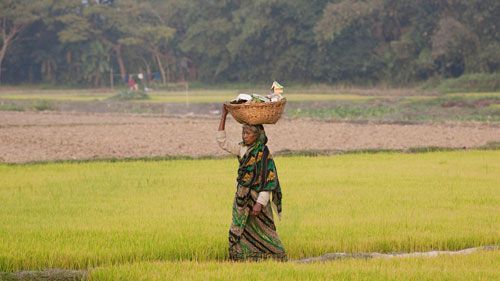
[
  {"x": 46, "y": 275},
  {"x": 32, "y": 136},
  {"x": 375, "y": 255}
]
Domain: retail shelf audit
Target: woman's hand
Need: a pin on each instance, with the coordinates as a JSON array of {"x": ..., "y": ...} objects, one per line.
[
  {"x": 224, "y": 110},
  {"x": 257, "y": 208}
]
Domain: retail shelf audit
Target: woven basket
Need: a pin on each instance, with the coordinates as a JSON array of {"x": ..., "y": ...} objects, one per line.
[{"x": 257, "y": 113}]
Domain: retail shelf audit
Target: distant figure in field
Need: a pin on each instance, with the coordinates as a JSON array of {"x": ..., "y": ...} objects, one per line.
[
  {"x": 132, "y": 85},
  {"x": 252, "y": 235}
]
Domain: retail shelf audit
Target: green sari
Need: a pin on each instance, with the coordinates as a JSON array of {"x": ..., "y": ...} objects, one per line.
[{"x": 255, "y": 237}]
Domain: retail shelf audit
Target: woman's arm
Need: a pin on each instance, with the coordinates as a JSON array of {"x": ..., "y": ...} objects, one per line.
[
  {"x": 263, "y": 197},
  {"x": 222, "y": 124},
  {"x": 232, "y": 148}
]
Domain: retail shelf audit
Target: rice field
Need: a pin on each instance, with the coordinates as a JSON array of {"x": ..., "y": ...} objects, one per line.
[
  {"x": 316, "y": 103},
  {"x": 480, "y": 266},
  {"x": 322, "y": 93},
  {"x": 196, "y": 96},
  {"x": 160, "y": 218},
  {"x": 203, "y": 97},
  {"x": 216, "y": 96}
]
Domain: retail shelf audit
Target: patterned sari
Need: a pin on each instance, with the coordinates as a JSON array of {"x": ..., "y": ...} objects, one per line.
[{"x": 254, "y": 237}]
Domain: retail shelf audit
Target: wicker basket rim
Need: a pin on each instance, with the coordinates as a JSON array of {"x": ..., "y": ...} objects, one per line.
[{"x": 260, "y": 104}]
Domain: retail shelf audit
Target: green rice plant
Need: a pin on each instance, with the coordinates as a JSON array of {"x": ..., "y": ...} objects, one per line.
[
  {"x": 220, "y": 97},
  {"x": 327, "y": 103},
  {"x": 478, "y": 266},
  {"x": 83, "y": 215},
  {"x": 477, "y": 82},
  {"x": 54, "y": 97},
  {"x": 10, "y": 107},
  {"x": 347, "y": 111},
  {"x": 193, "y": 96},
  {"x": 127, "y": 95},
  {"x": 474, "y": 95},
  {"x": 454, "y": 107},
  {"x": 43, "y": 105}
]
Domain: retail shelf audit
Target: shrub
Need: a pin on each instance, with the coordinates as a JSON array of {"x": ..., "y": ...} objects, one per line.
[
  {"x": 10, "y": 107},
  {"x": 43, "y": 105},
  {"x": 127, "y": 94},
  {"x": 479, "y": 82}
]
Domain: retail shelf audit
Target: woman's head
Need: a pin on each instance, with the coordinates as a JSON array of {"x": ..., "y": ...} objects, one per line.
[{"x": 252, "y": 133}]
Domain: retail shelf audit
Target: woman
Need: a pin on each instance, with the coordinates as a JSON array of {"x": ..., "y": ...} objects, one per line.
[{"x": 252, "y": 235}]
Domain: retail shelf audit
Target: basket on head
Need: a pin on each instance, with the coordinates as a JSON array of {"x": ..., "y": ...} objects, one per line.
[{"x": 257, "y": 113}]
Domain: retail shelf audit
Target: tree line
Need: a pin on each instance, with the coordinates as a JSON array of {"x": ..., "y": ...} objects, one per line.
[{"x": 93, "y": 43}]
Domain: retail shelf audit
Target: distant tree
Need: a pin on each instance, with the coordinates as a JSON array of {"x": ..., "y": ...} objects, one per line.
[
  {"x": 358, "y": 41},
  {"x": 252, "y": 40},
  {"x": 100, "y": 21},
  {"x": 274, "y": 40},
  {"x": 15, "y": 17},
  {"x": 348, "y": 39},
  {"x": 452, "y": 43},
  {"x": 338, "y": 16},
  {"x": 48, "y": 64},
  {"x": 148, "y": 30},
  {"x": 206, "y": 35},
  {"x": 95, "y": 62}
]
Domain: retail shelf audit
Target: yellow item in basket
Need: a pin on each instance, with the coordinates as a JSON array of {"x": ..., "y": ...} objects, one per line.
[
  {"x": 277, "y": 88},
  {"x": 276, "y": 91}
]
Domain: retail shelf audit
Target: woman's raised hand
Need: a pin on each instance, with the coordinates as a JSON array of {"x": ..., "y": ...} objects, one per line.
[{"x": 224, "y": 110}]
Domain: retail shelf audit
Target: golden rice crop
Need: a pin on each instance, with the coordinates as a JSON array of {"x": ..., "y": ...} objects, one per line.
[
  {"x": 478, "y": 266},
  {"x": 81, "y": 215}
]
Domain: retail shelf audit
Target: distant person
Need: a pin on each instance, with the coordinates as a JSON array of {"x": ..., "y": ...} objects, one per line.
[
  {"x": 252, "y": 235},
  {"x": 132, "y": 85}
]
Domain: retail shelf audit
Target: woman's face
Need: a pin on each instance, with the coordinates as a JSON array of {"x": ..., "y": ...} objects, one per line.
[{"x": 248, "y": 136}]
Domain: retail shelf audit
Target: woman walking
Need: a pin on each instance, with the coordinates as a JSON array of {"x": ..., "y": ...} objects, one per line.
[{"x": 252, "y": 235}]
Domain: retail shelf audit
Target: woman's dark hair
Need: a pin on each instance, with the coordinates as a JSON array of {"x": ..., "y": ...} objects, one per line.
[{"x": 256, "y": 129}]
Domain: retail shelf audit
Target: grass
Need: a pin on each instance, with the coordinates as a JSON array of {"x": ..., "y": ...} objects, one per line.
[
  {"x": 43, "y": 105},
  {"x": 478, "y": 266},
  {"x": 128, "y": 95},
  {"x": 10, "y": 107},
  {"x": 464, "y": 107},
  {"x": 196, "y": 96},
  {"x": 204, "y": 97},
  {"x": 449, "y": 107},
  {"x": 478, "y": 82},
  {"x": 54, "y": 97},
  {"x": 473, "y": 95},
  {"x": 318, "y": 103},
  {"x": 103, "y": 214},
  {"x": 349, "y": 111}
]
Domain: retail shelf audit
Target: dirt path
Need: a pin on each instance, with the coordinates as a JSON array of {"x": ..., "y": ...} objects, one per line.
[{"x": 32, "y": 136}]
